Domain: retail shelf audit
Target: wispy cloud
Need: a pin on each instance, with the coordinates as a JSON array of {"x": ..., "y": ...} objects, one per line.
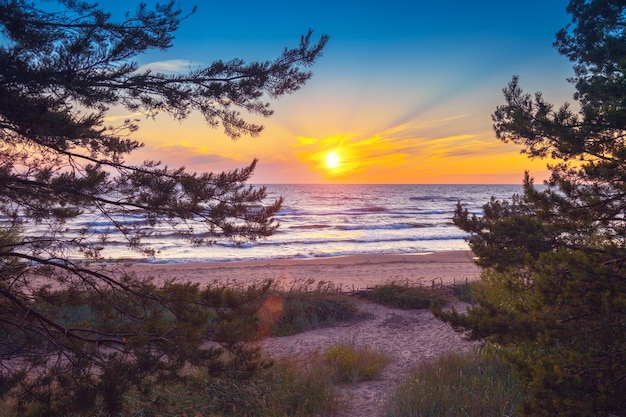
[
  {"x": 302, "y": 141},
  {"x": 400, "y": 146},
  {"x": 116, "y": 118},
  {"x": 169, "y": 66},
  {"x": 192, "y": 157}
]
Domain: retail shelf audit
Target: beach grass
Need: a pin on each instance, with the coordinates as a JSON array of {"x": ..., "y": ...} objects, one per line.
[
  {"x": 408, "y": 297},
  {"x": 306, "y": 307},
  {"x": 306, "y": 386},
  {"x": 462, "y": 384},
  {"x": 295, "y": 387},
  {"x": 466, "y": 291},
  {"x": 352, "y": 364},
  {"x": 289, "y": 388}
]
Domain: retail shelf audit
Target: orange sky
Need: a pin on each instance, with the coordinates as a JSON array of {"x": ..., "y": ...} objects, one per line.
[
  {"x": 451, "y": 143},
  {"x": 403, "y": 93}
]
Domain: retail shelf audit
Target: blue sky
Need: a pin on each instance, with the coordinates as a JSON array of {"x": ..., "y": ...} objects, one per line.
[{"x": 403, "y": 93}]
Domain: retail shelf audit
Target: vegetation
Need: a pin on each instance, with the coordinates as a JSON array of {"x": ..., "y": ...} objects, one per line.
[
  {"x": 288, "y": 388},
  {"x": 306, "y": 310},
  {"x": 351, "y": 364},
  {"x": 464, "y": 384},
  {"x": 408, "y": 297},
  {"x": 93, "y": 331},
  {"x": 237, "y": 380},
  {"x": 300, "y": 386},
  {"x": 466, "y": 292},
  {"x": 554, "y": 294}
]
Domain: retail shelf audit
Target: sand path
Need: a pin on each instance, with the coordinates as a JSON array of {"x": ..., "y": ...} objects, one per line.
[{"x": 408, "y": 337}]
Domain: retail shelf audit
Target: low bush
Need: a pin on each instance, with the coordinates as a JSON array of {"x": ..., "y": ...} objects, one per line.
[
  {"x": 465, "y": 384},
  {"x": 309, "y": 310},
  {"x": 408, "y": 297},
  {"x": 350, "y": 364},
  {"x": 465, "y": 292},
  {"x": 289, "y": 388}
]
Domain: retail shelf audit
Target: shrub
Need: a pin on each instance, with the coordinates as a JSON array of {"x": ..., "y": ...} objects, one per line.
[
  {"x": 349, "y": 364},
  {"x": 408, "y": 297},
  {"x": 466, "y": 292},
  {"x": 467, "y": 384},
  {"x": 307, "y": 310}
]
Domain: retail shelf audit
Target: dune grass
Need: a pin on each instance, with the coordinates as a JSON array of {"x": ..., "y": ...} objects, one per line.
[
  {"x": 289, "y": 388},
  {"x": 464, "y": 384},
  {"x": 408, "y": 297},
  {"x": 351, "y": 364},
  {"x": 465, "y": 291},
  {"x": 305, "y": 386},
  {"x": 304, "y": 311},
  {"x": 294, "y": 387}
]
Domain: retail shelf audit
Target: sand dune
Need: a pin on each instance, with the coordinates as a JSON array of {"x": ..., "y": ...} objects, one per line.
[{"x": 408, "y": 337}]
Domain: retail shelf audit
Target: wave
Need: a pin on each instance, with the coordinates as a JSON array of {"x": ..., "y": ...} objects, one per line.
[
  {"x": 363, "y": 212},
  {"x": 359, "y": 240},
  {"x": 373, "y": 209},
  {"x": 166, "y": 233},
  {"x": 295, "y": 255},
  {"x": 309, "y": 226},
  {"x": 393, "y": 226},
  {"x": 434, "y": 198}
]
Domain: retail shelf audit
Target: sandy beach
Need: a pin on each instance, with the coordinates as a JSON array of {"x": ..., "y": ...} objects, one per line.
[
  {"x": 347, "y": 272},
  {"x": 407, "y": 337}
]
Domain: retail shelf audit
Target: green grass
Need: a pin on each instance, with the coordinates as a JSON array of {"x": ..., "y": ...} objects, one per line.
[
  {"x": 304, "y": 386},
  {"x": 294, "y": 387},
  {"x": 408, "y": 297},
  {"x": 288, "y": 388},
  {"x": 465, "y": 292},
  {"x": 351, "y": 364},
  {"x": 468, "y": 384},
  {"x": 307, "y": 310}
]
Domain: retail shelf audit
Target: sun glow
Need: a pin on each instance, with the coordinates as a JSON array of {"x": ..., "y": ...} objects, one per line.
[{"x": 332, "y": 160}]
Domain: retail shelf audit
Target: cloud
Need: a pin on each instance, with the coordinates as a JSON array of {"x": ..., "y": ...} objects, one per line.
[
  {"x": 358, "y": 155},
  {"x": 169, "y": 66},
  {"x": 302, "y": 141},
  {"x": 468, "y": 146},
  {"x": 131, "y": 116},
  {"x": 398, "y": 147},
  {"x": 192, "y": 157}
]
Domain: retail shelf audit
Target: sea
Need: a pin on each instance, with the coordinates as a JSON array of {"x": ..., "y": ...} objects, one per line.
[{"x": 335, "y": 220}]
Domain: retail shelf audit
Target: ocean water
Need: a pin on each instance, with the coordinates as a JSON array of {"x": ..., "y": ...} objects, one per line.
[{"x": 335, "y": 220}]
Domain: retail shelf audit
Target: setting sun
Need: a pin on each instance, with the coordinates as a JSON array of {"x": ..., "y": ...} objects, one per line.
[{"x": 332, "y": 160}]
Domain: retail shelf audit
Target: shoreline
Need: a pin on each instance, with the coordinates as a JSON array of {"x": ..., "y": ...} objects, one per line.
[{"x": 350, "y": 271}]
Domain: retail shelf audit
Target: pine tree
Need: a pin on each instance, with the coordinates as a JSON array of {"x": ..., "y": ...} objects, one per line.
[
  {"x": 554, "y": 259},
  {"x": 91, "y": 330}
]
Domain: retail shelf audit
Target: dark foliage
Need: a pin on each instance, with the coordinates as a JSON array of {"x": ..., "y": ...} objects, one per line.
[
  {"x": 554, "y": 293},
  {"x": 73, "y": 333},
  {"x": 408, "y": 297}
]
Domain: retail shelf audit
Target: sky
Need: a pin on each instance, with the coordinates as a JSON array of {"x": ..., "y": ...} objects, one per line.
[{"x": 403, "y": 93}]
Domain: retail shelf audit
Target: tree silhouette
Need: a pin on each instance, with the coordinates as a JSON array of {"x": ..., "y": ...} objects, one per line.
[
  {"x": 554, "y": 277},
  {"x": 92, "y": 329}
]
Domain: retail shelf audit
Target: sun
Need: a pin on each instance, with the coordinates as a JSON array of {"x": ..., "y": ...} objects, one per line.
[{"x": 332, "y": 160}]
